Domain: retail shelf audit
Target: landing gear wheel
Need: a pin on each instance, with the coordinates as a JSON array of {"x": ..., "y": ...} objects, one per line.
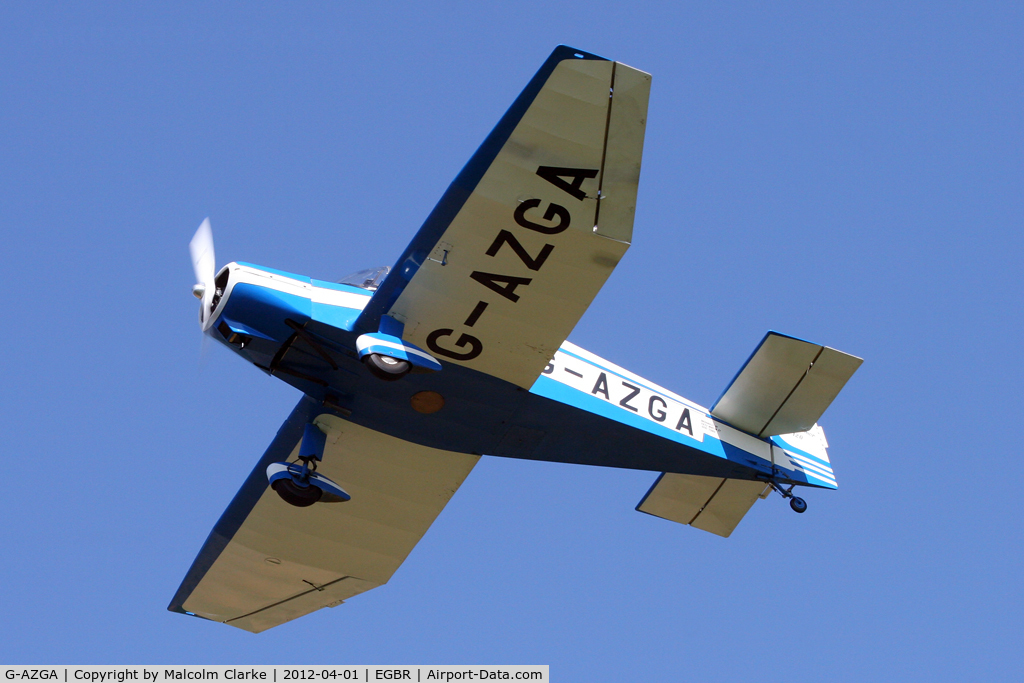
[
  {"x": 798, "y": 504},
  {"x": 387, "y": 368},
  {"x": 296, "y": 495}
]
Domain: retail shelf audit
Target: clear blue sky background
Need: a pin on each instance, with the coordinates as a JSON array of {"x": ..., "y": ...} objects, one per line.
[{"x": 851, "y": 173}]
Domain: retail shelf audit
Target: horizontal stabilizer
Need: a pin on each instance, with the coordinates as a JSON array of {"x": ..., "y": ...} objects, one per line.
[
  {"x": 785, "y": 386},
  {"x": 708, "y": 503}
]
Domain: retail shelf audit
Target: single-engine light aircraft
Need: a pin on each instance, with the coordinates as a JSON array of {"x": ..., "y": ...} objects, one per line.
[{"x": 410, "y": 373}]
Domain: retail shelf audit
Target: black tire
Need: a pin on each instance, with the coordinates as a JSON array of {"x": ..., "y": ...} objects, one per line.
[
  {"x": 293, "y": 494},
  {"x": 387, "y": 368},
  {"x": 798, "y": 504}
]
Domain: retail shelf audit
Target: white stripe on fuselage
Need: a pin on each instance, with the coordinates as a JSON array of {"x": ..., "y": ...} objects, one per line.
[
  {"x": 318, "y": 295},
  {"x": 281, "y": 283},
  {"x": 810, "y": 465},
  {"x": 630, "y": 392},
  {"x": 569, "y": 347}
]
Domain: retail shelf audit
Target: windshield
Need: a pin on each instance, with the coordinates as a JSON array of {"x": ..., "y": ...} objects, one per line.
[{"x": 366, "y": 279}]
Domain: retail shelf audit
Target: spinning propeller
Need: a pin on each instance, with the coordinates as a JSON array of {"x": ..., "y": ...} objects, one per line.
[{"x": 205, "y": 266}]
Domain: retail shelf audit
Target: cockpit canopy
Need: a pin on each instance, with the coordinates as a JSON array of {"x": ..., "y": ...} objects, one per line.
[{"x": 367, "y": 279}]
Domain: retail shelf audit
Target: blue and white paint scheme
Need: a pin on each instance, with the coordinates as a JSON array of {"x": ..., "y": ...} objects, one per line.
[
  {"x": 388, "y": 342},
  {"x": 469, "y": 327}
]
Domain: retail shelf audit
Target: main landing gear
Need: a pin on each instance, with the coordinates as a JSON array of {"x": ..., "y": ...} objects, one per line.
[
  {"x": 386, "y": 368},
  {"x": 294, "y": 483},
  {"x": 388, "y": 357},
  {"x": 798, "y": 504},
  {"x": 297, "y": 482}
]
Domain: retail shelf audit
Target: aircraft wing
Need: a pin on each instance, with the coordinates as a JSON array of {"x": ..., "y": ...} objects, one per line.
[
  {"x": 526, "y": 235},
  {"x": 267, "y": 562}
]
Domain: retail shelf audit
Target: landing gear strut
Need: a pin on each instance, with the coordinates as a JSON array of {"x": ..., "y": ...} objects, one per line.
[
  {"x": 297, "y": 482},
  {"x": 798, "y": 504}
]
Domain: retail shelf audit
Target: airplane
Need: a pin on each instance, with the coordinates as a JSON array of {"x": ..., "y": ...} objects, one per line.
[{"x": 410, "y": 373}]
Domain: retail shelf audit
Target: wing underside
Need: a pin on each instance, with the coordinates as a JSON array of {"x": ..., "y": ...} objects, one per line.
[
  {"x": 527, "y": 234},
  {"x": 267, "y": 562}
]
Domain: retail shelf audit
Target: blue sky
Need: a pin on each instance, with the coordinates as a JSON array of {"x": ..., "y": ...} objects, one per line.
[{"x": 849, "y": 173}]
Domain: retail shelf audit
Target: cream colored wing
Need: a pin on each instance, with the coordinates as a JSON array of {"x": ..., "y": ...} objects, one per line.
[
  {"x": 268, "y": 562},
  {"x": 527, "y": 234}
]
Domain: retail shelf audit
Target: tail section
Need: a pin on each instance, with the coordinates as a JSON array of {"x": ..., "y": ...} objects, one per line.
[
  {"x": 777, "y": 396},
  {"x": 805, "y": 453}
]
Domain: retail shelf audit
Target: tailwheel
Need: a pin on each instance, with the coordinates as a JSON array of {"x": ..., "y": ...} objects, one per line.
[{"x": 798, "y": 504}]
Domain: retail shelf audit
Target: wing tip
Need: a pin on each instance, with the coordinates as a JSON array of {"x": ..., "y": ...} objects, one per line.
[{"x": 568, "y": 52}]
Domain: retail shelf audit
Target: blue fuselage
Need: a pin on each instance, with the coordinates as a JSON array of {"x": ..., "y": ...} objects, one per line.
[{"x": 581, "y": 410}]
